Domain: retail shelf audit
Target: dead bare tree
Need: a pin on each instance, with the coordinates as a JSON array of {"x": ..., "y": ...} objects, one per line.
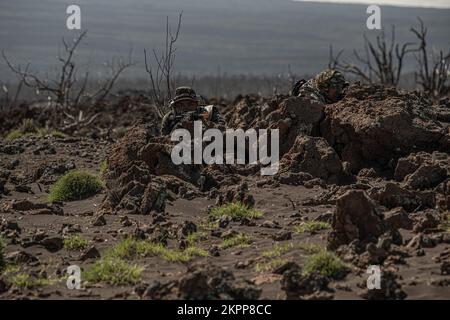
[
  {"x": 434, "y": 69},
  {"x": 59, "y": 88},
  {"x": 382, "y": 61},
  {"x": 161, "y": 74},
  {"x": 67, "y": 92}
]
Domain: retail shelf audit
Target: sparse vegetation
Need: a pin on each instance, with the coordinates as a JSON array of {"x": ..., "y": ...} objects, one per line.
[
  {"x": 240, "y": 241},
  {"x": 311, "y": 226},
  {"x": 310, "y": 248},
  {"x": 28, "y": 129},
  {"x": 75, "y": 185},
  {"x": 185, "y": 255},
  {"x": 209, "y": 225},
  {"x": 272, "y": 259},
  {"x": 270, "y": 265},
  {"x": 161, "y": 72},
  {"x": 114, "y": 271},
  {"x": 103, "y": 168},
  {"x": 66, "y": 89},
  {"x": 196, "y": 237},
  {"x": 278, "y": 250},
  {"x": 382, "y": 62},
  {"x": 325, "y": 263},
  {"x": 75, "y": 243},
  {"x": 131, "y": 248},
  {"x": 236, "y": 210},
  {"x": 23, "y": 280}
]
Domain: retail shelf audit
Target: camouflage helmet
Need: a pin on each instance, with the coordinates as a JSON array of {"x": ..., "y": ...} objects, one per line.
[
  {"x": 184, "y": 93},
  {"x": 330, "y": 78}
]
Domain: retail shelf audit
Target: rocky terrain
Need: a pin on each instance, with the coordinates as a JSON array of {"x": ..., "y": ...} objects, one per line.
[{"x": 362, "y": 182}]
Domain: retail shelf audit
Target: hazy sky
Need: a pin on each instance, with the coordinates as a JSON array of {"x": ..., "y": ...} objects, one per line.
[{"x": 400, "y": 3}]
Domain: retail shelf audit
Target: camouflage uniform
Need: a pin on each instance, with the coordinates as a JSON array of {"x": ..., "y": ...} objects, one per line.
[
  {"x": 317, "y": 88},
  {"x": 174, "y": 118}
]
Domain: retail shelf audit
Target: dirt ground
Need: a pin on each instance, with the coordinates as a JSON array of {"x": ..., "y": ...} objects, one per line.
[{"x": 34, "y": 230}]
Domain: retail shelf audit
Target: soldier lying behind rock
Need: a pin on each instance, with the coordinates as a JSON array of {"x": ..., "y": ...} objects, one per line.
[
  {"x": 186, "y": 109},
  {"x": 327, "y": 87}
]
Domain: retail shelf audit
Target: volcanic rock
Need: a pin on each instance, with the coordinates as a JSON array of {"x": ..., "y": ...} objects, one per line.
[
  {"x": 392, "y": 196},
  {"x": 299, "y": 286},
  {"x": 313, "y": 155},
  {"x": 356, "y": 217},
  {"x": 374, "y": 124}
]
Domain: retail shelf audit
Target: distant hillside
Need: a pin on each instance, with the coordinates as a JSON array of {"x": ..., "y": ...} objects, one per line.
[{"x": 235, "y": 36}]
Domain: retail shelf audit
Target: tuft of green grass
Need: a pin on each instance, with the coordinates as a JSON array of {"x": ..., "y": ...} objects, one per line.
[
  {"x": 310, "y": 248},
  {"x": 240, "y": 241},
  {"x": 75, "y": 243},
  {"x": 28, "y": 128},
  {"x": 23, "y": 280},
  {"x": 75, "y": 185},
  {"x": 2, "y": 255},
  {"x": 270, "y": 265},
  {"x": 16, "y": 134},
  {"x": 114, "y": 271},
  {"x": 185, "y": 255},
  {"x": 278, "y": 250},
  {"x": 325, "y": 263},
  {"x": 103, "y": 168},
  {"x": 209, "y": 225},
  {"x": 311, "y": 226},
  {"x": 235, "y": 210},
  {"x": 196, "y": 237},
  {"x": 130, "y": 248},
  {"x": 273, "y": 258}
]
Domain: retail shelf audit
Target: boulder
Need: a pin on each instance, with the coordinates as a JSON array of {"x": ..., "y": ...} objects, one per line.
[
  {"x": 393, "y": 195},
  {"x": 314, "y": 156},
  {"x": 373, "y": 125},
  {"x": 423, "y": 170},
  {"x": 292, "y": 116},
  {"x": 356, "y": 217}
]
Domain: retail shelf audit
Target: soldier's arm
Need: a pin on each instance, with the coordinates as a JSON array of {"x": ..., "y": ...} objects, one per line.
[{"x": 167, "y": 124}]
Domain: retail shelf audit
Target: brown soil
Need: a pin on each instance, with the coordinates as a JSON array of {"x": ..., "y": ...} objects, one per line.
[{"x": 375, "y": 166}]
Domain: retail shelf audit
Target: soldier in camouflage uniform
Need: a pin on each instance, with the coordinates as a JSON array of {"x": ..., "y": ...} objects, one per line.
[
  {"x": 186, "y": 106},
  {"x": 327, "y": 87}
]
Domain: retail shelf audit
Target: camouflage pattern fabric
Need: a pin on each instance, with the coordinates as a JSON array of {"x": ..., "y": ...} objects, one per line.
[
  {"x": 184, "y": 93},
  {"x": 171, "y": 119},
  {"x": 310, "y": 90},
  {"x": 317, "y": 88}
]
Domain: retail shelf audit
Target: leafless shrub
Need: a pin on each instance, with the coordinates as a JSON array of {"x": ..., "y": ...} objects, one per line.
[
  {"x": 434, "y": 69},
  {"x": 67, "y": 91},
  {"x": 382, "y": 61},
  {"x": 161, "y": 74}
]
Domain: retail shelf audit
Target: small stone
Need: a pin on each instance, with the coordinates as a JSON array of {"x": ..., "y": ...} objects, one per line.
[
  {"x": 224, "y": 221},
  {"x": 270, "y": 224},
  {"x": 125, "y": 221},
  {"x": 23, "y": 189},
  {"x": 445, "y": 268},
  {"x": 229, "y": 234},
  {"x": 99, "y": 221},
  {"x": 90, "y": 253},
  {"x": 18, "y": 257},
  {"x": 214, "y": 251},
  {"x": 53, "y": 244},
  {"x": 282, "y": 236}
]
